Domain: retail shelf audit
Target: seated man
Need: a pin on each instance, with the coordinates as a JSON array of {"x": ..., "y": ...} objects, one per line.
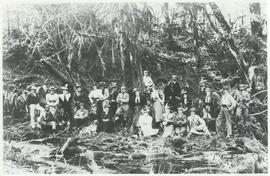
[
  {"x": 81, "y": 116},
  {"x": 62, "y": 117},
  {"x": 123, "y": 107},
  {"x": 196, "y": 124},
  {"x": 180, "y": 122},
  {"x": 168, "y": 118},
  {"x": 46, "y": 119},
  {"x": 145, "y": 124}
]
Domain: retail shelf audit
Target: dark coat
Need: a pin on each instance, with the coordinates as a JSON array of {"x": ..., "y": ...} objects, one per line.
[{"x": 32, "y": 99}]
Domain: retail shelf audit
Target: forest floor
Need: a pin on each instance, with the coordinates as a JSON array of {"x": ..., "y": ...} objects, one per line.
[
  {"x": 74, "y": 152},
  {"x": 29, "y": 151}
]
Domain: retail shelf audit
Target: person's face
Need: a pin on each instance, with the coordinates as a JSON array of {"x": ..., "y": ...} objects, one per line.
[
  {"x": 180, "y": 111},
  {"x": 51, "y": 92},
  {"x": 81, "y": 107},
  {"x": 185, "y": 95},
  {"x": 79, "y": 89},
  {"x": 192, "y": 113},
  {"x": 137, "y": 93},
  {"x": 146, "y": 73},
  {"x": 94, "y": 109},
  {"x": 65, "y": 91},
  {"x": 174, "y": 78},
  {"x": 177, "y": 131},
  {"x": 94, "y": 87},
  {"x": 123, "y": 90},
  {"x": 47, "y": 109}
]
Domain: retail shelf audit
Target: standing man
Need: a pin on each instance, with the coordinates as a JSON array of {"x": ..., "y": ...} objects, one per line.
[
  {"x": 65, "y": 100},
  {"x": 227, "y": 105},
  {"x": 112, "y": 98},
  {"x": 242, "y": 98},
  {"x": 32, "y": 102},
  {"x": 173, "y": 93},
  {"x": 147, "y": 80},
  {"x": 52, "y": 100}
]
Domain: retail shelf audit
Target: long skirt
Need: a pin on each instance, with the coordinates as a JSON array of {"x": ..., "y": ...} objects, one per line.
[
  {"x": 137, "y": 113},
  {"x": 157, "y": 111}
]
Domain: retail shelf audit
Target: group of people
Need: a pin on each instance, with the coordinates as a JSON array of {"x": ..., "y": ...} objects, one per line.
[{"x": 164, "y": 109}]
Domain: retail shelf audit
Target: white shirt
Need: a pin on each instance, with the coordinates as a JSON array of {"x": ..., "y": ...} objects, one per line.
[
  {"x": 147, "y": 80},
  {"x": 95, "y": 94},
  {"x": 228, "y": 100}
]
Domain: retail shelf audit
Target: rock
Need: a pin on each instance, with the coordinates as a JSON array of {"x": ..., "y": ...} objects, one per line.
[{"x": 247, "y": 165}]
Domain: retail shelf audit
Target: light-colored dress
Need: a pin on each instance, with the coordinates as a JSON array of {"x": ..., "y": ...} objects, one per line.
[
  {"x": 157, "y": 104},
  {"x": 145, "y": 122}
]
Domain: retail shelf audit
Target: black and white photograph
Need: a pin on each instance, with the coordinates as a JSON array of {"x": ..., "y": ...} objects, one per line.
[{"x": 134, "y": 87}]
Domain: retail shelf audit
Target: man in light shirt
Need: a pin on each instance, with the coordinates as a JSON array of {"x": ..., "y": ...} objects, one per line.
[
  {"x": 123, "y": 106},
  {"x": 147, "y": 80},
  {"x": 227, "y": 105},
  {"x": 52, "y": 99}
]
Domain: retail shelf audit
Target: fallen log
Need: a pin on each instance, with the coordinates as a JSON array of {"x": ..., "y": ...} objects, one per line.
[{"x": 56, "y": 72}]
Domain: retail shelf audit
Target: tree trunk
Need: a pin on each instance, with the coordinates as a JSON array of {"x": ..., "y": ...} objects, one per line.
[{"x": 122, "y": 58}]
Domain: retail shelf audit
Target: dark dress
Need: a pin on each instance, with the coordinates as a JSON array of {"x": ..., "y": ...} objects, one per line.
[{"x": 66, "y": 104}]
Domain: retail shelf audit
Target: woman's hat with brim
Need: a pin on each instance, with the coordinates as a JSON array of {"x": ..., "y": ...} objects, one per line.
[
  {"x": 184, "y": 91},
  {"x": 33, "y": 87},
  {"x": 192, "y": 109},
  {"x": 226, "y": 87},
  {"x": 52, "y": 88},
  {"x": 77, "y": 85},
  {"x": 242, "y": 86}
]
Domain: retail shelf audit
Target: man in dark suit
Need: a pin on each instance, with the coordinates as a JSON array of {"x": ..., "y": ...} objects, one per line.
[{"x": 172, "y": 93}]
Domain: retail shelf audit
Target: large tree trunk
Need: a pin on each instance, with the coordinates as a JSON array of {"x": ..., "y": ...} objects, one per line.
[{"x": 122, "y": 58}]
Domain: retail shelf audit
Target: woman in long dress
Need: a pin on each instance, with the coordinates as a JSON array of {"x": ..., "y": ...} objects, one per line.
[{"x": 158, "y": 99}]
